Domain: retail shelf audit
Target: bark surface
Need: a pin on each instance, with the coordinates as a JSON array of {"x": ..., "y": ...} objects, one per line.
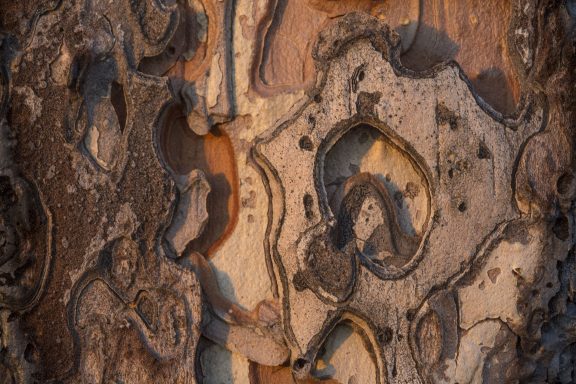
[{"x": 287, "y": 191}]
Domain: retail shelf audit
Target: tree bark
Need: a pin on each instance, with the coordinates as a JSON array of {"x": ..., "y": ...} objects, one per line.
[{"x": 287, "y": 191}]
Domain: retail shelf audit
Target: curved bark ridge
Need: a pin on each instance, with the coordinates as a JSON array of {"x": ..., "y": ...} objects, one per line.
[{"x": 287, "y": 191}]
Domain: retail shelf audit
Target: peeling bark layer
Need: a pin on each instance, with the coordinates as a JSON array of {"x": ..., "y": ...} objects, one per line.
[{"x": 287, "y": 191}]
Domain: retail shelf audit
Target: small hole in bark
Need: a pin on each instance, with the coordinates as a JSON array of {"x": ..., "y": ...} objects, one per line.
[
  {"x": 78, "y": 65},
  {"x": 385, "y": 336},
  {"x": 561, "y": 228},
  {"x": 483, "y": 151},
  {"x": 311, "y": 119},
  {"x": 317, "y": 98},
  {"x": 565, "y": 183},
  {"x": 308, "y": 202},
  {"x": 446, "y": 116},
  {"x": 300, "y": 364},
  {"x": 305, "y": 143},
  {"x": 410, "y": 315},
  {"x": 299, "y": 282},
  {"x": 119, "y": 103},
  {"x": 361, "y": 76},
  {"x": 462, "y": 207}
]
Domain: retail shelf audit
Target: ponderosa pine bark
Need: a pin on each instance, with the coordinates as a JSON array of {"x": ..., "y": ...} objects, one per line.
[{"x": 287, "y": 191}]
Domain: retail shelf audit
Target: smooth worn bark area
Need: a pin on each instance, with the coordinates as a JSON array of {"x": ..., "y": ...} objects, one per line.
[{"x": 287, "y": 191}]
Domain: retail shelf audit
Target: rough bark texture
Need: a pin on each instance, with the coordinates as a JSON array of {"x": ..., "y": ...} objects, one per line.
[{"x": 287, "y": 191}]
